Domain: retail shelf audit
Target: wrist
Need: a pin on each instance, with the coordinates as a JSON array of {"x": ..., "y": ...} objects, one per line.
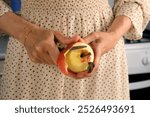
[
  {"x": 120, "y": 26},
  {"x": 115, "y": 34},
  {"x": 16, "y": 26}
]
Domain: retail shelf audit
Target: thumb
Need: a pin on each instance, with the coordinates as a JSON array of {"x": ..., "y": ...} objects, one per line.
[
  {"x": 65, "y": 40},
  {"x": 91, "y": 37},
  {"x": 97, "y": 56}
]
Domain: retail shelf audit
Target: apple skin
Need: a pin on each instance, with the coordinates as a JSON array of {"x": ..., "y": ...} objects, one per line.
[{"x": 62, "y": 60}]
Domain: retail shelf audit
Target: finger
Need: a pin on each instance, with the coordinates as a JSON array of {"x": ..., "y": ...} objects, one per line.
[
  {"x": 72, "y": 75},
  {"x": 46, "y": 59},
  {"x": 35, "y": 60},
  {"x": 75, "y": 38},
  {"x": 97, "y": 55},
  {"x": 33, "y": 57},
  {"x": 91, "y": 37},
  {"x": 43, "y": 56},
  {"x": 76, "y": 76},
  {"x": 38, "y": 56},
  {"x": 79, "y": 75},
  {"x": 83, "y": 75},
  {"x": 53, "y": 52},
  {"x": 65, "y": 40}
]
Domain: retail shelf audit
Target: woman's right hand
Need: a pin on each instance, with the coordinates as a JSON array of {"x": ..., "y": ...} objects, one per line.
[
  {"x": 41, "y": 47},
  {"x": 38, "y": 42}
]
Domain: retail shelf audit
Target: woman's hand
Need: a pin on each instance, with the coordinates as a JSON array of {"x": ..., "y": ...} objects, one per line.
[
  {"x": 101, "y": 42},
  {"x": 41, "y": 47},
  {"x": 38, "y": 42}
]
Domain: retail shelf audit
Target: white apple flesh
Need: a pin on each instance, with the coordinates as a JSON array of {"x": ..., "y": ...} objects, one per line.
[{"x": 74, "y": 59}]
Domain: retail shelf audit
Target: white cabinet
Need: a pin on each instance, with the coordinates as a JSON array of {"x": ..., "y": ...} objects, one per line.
[{"x": 138, "y": 56}]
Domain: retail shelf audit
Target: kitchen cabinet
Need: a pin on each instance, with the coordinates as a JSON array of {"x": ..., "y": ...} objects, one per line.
[
  {"x": 3, "y": 46},
  {"x": 1, "y": 67}
]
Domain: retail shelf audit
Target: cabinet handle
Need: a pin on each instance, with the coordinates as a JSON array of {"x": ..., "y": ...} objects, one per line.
[{"x": 146, "y": 61}]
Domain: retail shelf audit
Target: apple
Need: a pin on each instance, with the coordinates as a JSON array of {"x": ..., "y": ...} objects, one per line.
[{"x": 76, "y": 57}]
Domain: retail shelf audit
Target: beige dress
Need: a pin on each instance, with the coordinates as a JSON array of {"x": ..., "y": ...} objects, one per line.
[{"x": 23, "y": 79}]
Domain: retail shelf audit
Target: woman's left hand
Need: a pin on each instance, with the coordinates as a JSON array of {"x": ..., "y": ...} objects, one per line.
[{"x": 101, "y": 42}]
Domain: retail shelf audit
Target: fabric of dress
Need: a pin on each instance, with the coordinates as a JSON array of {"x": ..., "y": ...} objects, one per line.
[{"x": 23, "y": 79}]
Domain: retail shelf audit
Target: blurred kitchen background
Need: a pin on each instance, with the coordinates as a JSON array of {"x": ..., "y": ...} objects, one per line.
[{"x": 138, "y": 56}]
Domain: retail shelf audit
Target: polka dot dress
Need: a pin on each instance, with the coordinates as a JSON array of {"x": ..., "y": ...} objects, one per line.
[{"x": 23, "y": 79}]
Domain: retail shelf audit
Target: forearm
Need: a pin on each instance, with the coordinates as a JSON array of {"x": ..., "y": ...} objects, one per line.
[
  {"x": 120, "y": 26},
  {"x": 15, "y": 26}
]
